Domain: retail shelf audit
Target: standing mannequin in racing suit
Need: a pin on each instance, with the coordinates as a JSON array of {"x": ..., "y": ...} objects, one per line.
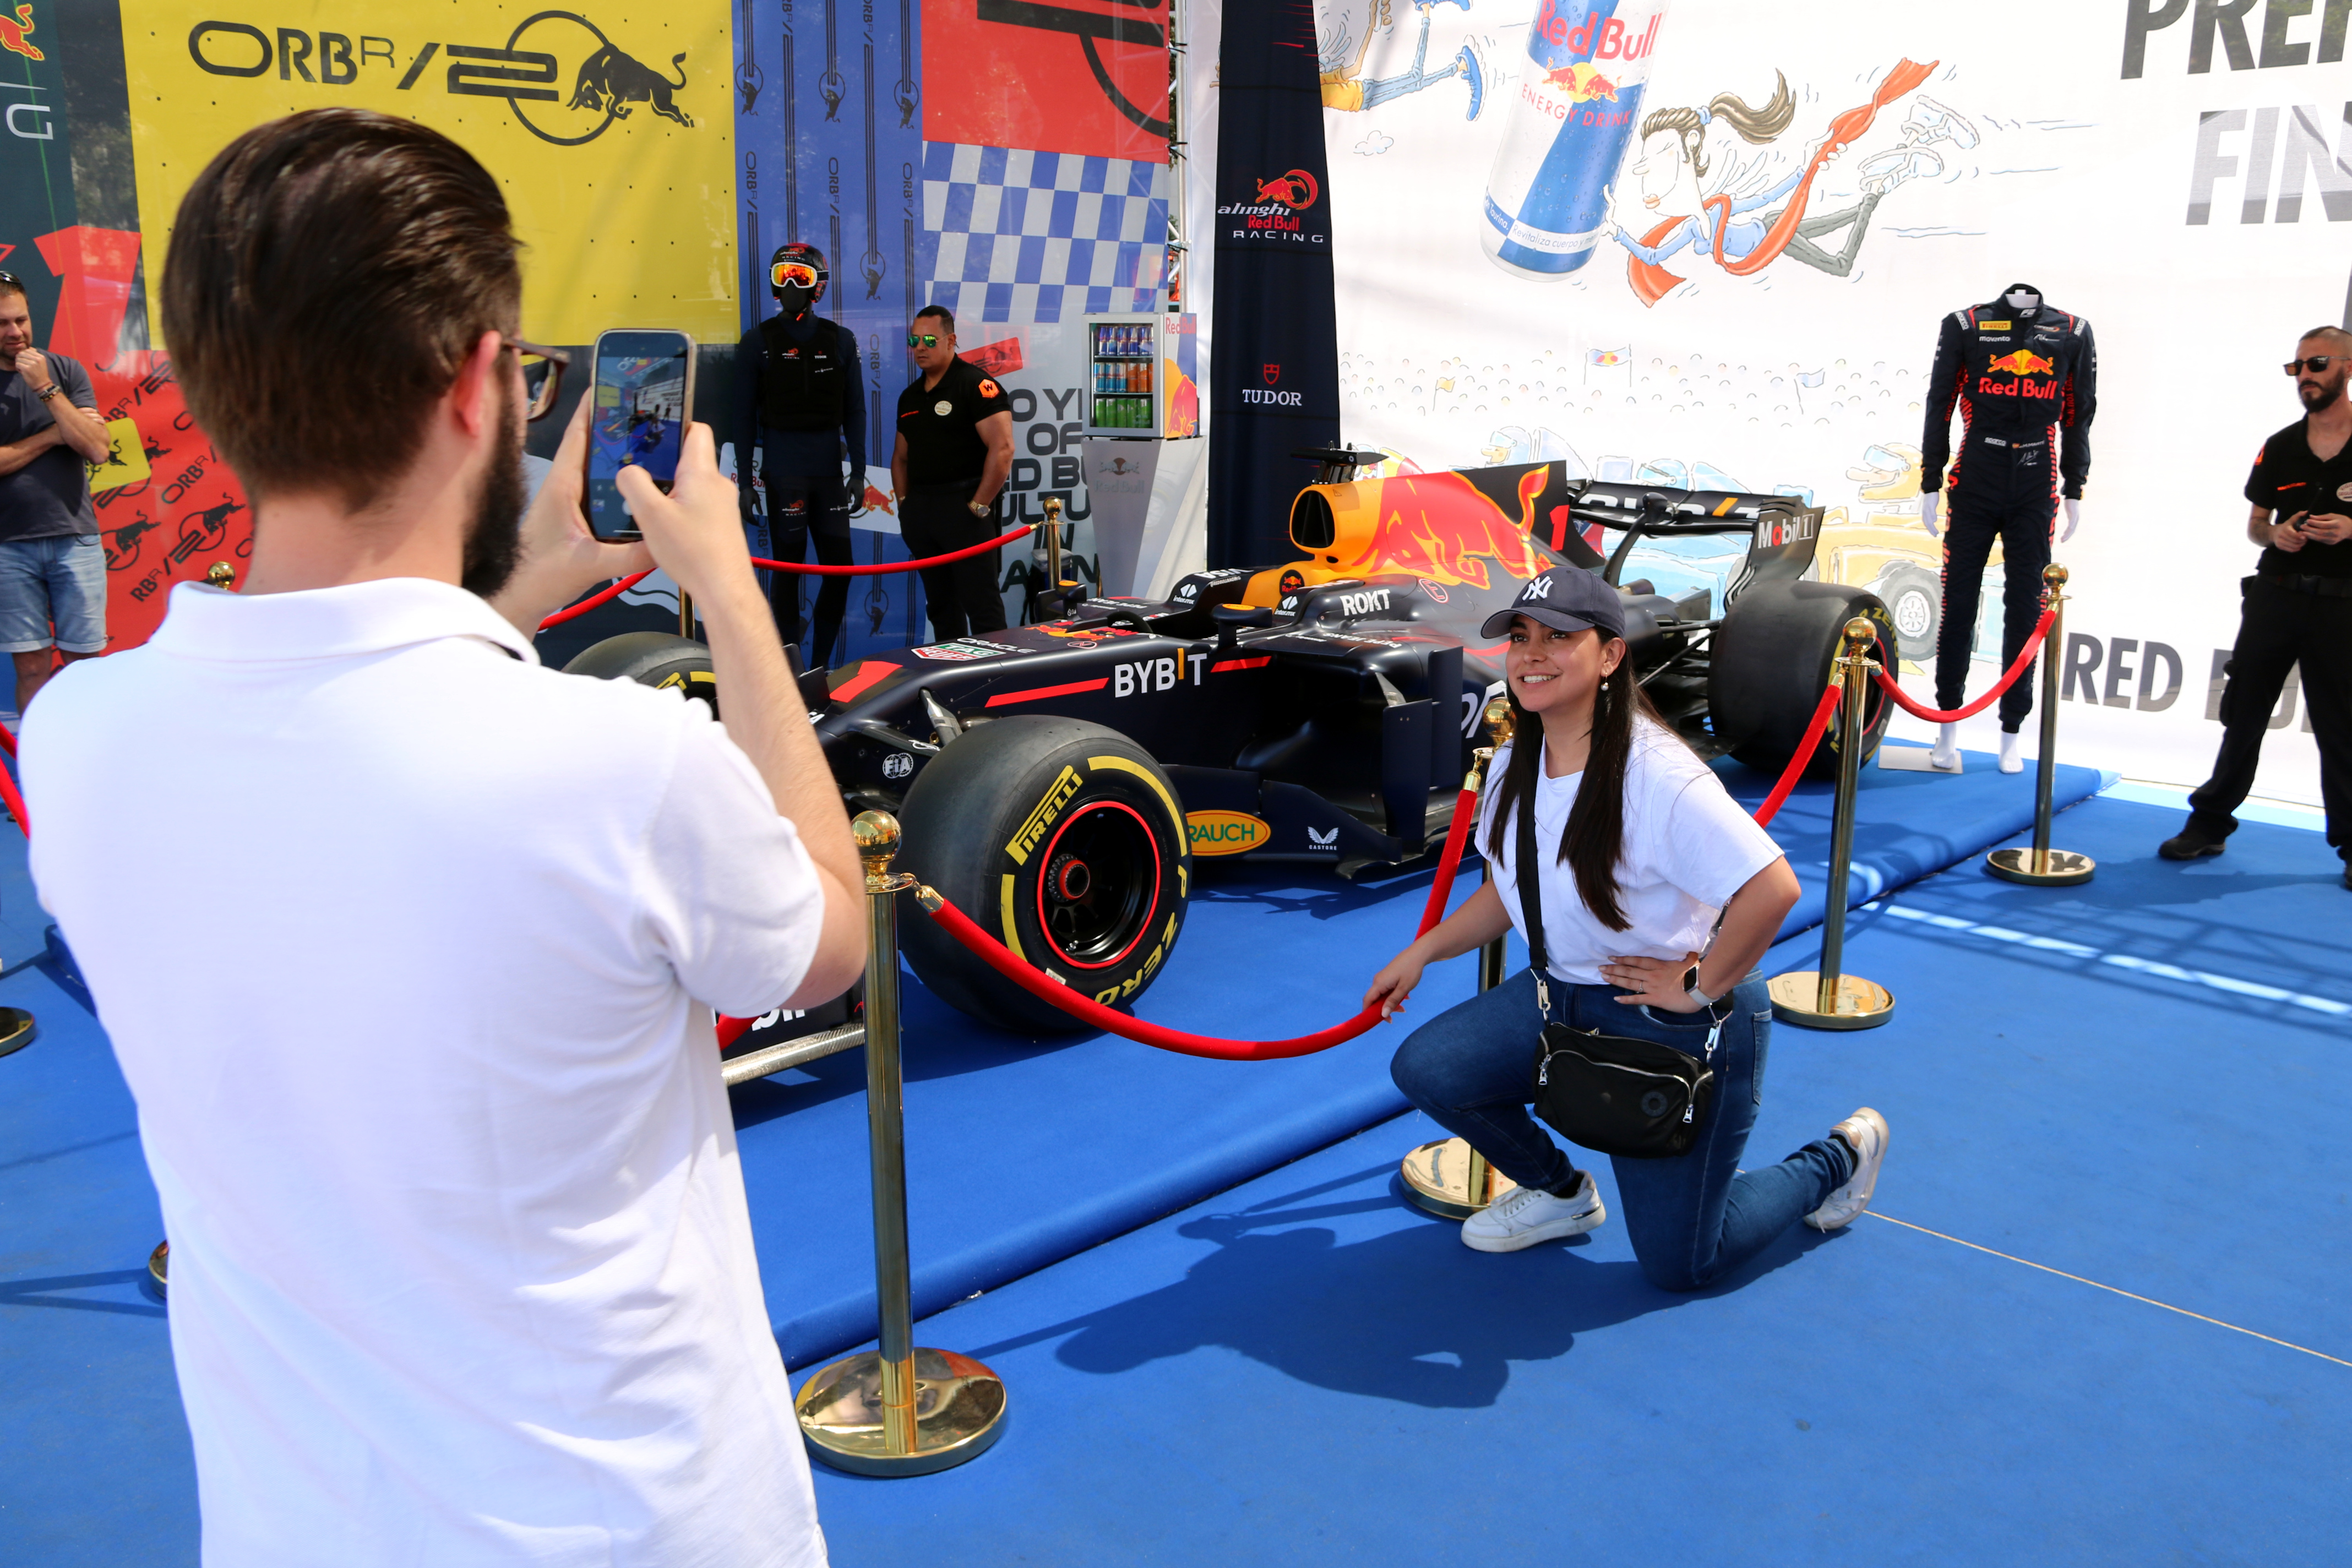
[
  {"x": 798, "y": 386},
  {"x": 2024, "y": 377}
]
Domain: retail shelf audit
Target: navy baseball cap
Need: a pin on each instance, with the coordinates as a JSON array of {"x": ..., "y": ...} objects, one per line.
[{"x": 1566, "y": 599}]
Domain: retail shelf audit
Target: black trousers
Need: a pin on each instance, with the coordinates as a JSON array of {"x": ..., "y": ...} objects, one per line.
[
  {"x": 962, "y": 597},
  {"x": 802, "y": 508},
  {"x": 2016, "y": 504},
  {"x": 2279, "y": 628}
]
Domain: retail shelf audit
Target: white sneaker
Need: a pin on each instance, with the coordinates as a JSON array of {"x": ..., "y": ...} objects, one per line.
[
  {"x": 2010, "y": 762},
  {"x": 1865, "y": 1132},
  {"x": 1526, "y": 1216}
]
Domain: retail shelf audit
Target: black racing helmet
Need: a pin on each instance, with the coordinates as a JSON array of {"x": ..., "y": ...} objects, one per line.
[{"x": 797, "y": 256}]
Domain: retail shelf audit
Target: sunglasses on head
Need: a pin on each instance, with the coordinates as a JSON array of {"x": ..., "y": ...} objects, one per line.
[
  {"x": 786, "y": 274},
  {"x": 542, "y": 374},
  {"x": 2317, "y": 362},
  {"x": 922, "y": 340}
]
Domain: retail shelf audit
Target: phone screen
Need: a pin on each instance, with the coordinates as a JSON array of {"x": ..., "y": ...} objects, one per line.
[{"x": 642, "y": 391}]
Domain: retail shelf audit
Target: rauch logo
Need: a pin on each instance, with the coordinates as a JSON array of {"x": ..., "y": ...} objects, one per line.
[
  {"x": 550, "y": 49},
  {"x": 1225, "y": 832}
]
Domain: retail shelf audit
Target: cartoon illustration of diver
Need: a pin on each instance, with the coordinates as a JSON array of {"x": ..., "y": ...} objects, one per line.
[
  {"x": 1344, "y": 36},
  {"x": 1681, "y": 210}
]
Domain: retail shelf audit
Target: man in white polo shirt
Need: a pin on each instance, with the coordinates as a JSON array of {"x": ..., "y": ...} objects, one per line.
[{"x": 421, "y": 1030}]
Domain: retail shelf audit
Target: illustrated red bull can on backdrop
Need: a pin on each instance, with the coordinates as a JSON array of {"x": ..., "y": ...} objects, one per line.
[{"x": 1579, "y": 97}]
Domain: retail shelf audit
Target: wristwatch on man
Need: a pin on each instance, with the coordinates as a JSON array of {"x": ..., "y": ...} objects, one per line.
[
  {"x": 1691, "y": 990},
  {"x": 979, "y": 508}
]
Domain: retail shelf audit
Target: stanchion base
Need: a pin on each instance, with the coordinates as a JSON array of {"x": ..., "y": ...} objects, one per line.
[
  {"x": 157, "y": 1264},
  {"x": 17, "y": 1030},
  {"x": 1436, "y": 1177},
  {"x": 2066, "y": 868},
  {"x": 1861, "y": 1004},
  {"x": 958, "y": 1414}
]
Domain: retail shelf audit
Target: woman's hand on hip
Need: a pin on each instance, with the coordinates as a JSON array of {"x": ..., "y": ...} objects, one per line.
[
  {"x": 1653, "y": 982},
  {"x": 1393, "y": 983}
]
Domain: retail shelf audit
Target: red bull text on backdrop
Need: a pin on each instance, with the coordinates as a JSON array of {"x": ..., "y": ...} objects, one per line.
[{"x": 1579, "y": 97}]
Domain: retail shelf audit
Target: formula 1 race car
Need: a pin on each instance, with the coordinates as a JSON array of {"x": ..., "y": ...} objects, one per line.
[{"x": 1056, "y": 780}]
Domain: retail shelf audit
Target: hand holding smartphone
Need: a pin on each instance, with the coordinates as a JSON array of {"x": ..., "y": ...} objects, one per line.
[{"x": 641, "y": 395}]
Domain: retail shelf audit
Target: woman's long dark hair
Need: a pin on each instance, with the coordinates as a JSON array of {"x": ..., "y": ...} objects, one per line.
[{"x": 1594, "y": 839}]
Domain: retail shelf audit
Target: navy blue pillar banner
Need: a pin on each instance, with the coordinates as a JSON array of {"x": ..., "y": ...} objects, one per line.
[{"x": 1274, "y": 376}]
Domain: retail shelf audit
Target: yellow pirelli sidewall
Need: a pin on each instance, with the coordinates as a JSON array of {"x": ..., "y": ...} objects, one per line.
[{"x": 611, "y": 128}]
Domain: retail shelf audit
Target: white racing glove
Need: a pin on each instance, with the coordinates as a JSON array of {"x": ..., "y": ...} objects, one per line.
[
  {"x": 1929, "y": 503},
  {"x": 2073, "y": 520}
]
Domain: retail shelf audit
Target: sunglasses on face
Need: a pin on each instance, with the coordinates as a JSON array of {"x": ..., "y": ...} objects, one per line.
[
  {"x": 2316, "y": 363},
  {"x": 542, "y": 374},
  {"x": 922, "y": 340},
  {"x": 787, "y": 274}
]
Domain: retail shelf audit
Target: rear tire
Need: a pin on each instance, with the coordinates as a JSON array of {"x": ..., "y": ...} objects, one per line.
[
  {"x": 1771, "y": 661},
  {"x": 661, "y": 659},
  {"x": 1065, "y": 842}
]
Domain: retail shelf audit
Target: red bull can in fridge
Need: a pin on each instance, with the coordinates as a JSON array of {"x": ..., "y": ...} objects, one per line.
[{"x": 1578, "y": 98}]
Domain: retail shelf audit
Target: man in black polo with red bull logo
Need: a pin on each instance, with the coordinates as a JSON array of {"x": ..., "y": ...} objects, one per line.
[
  {"x": 801, "y": 397},
  {"x": 953, "y": 454},
  {"x": 2024, "y": 378},
  {"x": 2297, "y": 606}
]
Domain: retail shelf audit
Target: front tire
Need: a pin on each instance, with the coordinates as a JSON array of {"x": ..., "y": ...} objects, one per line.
[
  {"x": 1770, "y": 662},
  {"x": 661, "y": 659},
  {"x": 1065, "y": 842}
]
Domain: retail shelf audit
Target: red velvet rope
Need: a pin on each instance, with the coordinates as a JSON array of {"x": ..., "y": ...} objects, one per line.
[
  {"x": 853, "y": 570},
  {"x": 1813, "y": 732},
  {"x": 606, "y": 597},
  {"x": 1936, "y": 716},
  {"x": 13, "y": 798}
]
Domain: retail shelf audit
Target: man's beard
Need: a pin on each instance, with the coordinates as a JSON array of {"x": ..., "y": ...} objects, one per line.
[{"x": 494, "y": 536}]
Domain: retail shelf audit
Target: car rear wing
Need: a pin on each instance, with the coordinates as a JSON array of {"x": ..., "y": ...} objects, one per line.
[{"x": 1782, "y": 530}]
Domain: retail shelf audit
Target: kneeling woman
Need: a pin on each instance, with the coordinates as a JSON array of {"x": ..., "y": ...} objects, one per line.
[{"x": 1635, "y": 847}]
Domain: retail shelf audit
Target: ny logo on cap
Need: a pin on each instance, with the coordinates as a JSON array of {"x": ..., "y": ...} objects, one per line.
[{"x": 1536, "y": 588}]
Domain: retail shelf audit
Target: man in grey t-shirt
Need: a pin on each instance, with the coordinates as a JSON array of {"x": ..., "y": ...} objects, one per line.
[{"x": 52, "y": 569}]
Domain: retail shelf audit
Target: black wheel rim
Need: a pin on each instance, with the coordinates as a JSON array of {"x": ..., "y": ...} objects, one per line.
[{"x": 1099, "y": 885}]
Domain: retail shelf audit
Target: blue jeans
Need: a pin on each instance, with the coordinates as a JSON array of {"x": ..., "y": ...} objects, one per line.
[
  {"x": 59, "y": 581},
  {"x": 1692, "y": 1219}
]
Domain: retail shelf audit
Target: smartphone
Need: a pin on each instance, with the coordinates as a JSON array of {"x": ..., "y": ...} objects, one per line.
[{"x": 643, "y": 392}]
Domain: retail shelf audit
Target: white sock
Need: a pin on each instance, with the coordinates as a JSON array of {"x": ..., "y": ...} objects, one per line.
[
  {"x": 1945, "y": 753},
  {"x": 2010, "y": 760}
]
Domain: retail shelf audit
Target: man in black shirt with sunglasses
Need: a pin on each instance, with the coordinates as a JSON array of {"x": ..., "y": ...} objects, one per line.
[
  {"x": 949, "y": 466},
  {"x": 2298, "y": 606}
]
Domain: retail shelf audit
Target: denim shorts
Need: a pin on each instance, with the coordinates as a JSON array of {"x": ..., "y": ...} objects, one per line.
[{"x": 60, "y": 580}]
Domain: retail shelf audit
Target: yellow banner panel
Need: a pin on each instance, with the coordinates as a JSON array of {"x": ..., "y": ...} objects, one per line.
[{"x": 611, "y": 129}]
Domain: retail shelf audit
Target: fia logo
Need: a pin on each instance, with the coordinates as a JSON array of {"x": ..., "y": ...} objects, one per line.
[
  {"x": 898, "y": 765},
  {"x": 1318, "y": 840}
]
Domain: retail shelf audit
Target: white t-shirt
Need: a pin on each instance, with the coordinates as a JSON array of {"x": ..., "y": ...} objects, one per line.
[
  {"x": 416, "y": 1009},
  {"x": 1688, "y": 847}
]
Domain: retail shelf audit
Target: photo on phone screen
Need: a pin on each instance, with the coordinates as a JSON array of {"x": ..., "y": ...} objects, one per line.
[{"x": 644, "y": 390}]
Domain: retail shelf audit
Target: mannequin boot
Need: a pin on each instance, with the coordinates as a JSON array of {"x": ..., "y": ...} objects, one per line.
[
  {"x": 2010, "y": 762},
  {"x": 1944, "y": 756}
]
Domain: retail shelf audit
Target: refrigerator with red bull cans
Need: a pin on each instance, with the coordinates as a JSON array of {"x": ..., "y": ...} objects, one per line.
[
  {"x": 1578, "y": 102},
  {"x": 1143, "y": 377}
]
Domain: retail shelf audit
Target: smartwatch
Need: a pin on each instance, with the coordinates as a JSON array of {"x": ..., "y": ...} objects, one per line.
[{"x": 1691, "y": 990}]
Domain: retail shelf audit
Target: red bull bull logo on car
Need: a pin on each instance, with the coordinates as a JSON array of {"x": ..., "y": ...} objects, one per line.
[
  {"x": 12, "y": 34},
  {"x": 1443, "y": 529}
]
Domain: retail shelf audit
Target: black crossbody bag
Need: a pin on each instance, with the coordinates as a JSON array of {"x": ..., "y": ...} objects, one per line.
[{"x": 1615, "y": 1095}]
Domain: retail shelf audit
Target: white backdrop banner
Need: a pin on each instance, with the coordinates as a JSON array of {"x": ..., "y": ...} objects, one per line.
[{"x": 1524, "y": 220}]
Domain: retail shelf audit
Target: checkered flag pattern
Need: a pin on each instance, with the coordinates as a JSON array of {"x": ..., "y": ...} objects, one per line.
[{"x": 1030, "y": 237}]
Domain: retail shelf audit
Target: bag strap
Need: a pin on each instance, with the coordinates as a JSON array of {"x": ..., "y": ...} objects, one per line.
[{"x": 1527, "y": 871}]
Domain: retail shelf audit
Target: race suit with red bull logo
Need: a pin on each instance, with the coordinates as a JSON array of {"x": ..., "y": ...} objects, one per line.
[{"x": 2025, "y": 384}]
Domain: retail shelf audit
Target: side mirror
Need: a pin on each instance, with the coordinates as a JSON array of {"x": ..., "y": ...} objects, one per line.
[{"x": 1232, "y": 618}]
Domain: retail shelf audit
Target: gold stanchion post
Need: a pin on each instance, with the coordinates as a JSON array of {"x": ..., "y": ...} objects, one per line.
[
  {"x": 685, "y": 614},
  {"x": 1829, "y": 999},
  {"x": 901, "y": 1410},
  {"x": 1448, "y": 1177},
  {"x": 2041, "y": 866}
]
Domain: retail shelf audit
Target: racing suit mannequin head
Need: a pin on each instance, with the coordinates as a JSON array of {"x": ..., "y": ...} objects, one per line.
[{"x": 804, "y": 401}]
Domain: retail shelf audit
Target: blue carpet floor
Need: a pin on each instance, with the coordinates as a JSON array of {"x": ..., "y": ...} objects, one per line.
[
  {"x": 2143, "y": 1082},
  {"x": 1021, "y": 1153}
]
